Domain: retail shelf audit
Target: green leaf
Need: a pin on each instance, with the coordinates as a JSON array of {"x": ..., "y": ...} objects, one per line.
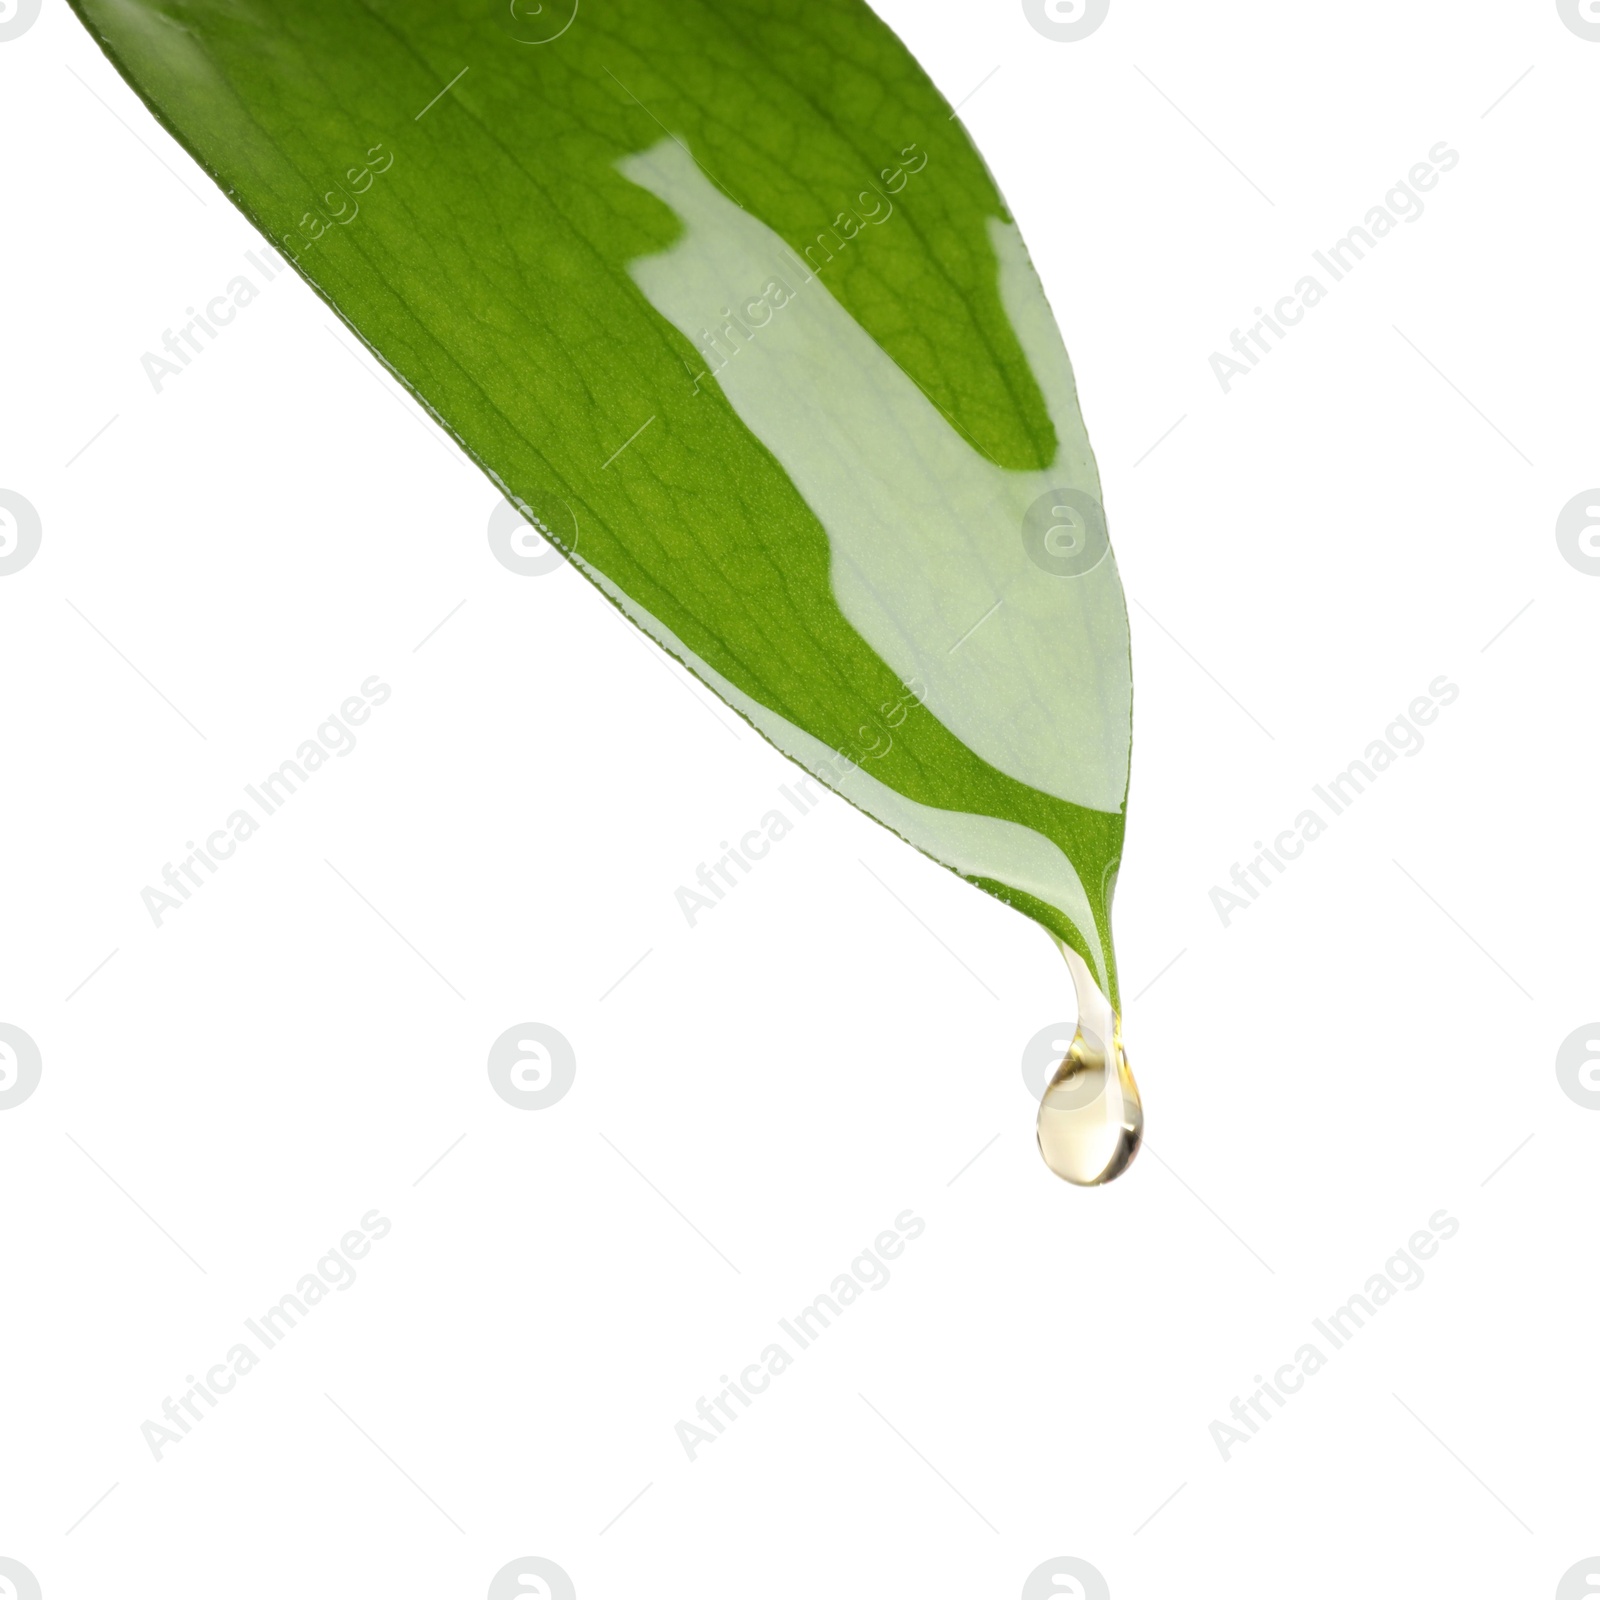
[{"x": 722, "y": 295}]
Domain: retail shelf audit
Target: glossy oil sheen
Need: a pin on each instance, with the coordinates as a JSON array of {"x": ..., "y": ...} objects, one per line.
[{"x": 1091, "y": 1120}]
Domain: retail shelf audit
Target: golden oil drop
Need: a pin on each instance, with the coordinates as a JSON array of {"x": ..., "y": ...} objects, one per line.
[{"x": 1090, "y": 1118}]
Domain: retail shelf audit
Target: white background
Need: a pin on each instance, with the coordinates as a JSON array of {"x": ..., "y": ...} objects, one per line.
[{"x": 762, "y": 1094}]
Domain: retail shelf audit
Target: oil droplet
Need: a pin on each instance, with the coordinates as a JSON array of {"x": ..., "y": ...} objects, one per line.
[{"x": 1090, "y": 1119}]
